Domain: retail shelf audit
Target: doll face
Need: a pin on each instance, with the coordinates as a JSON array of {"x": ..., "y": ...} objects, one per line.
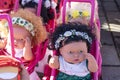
[
  {"x": 74, "y": 52},
  {"x": 19, "y": 34}
]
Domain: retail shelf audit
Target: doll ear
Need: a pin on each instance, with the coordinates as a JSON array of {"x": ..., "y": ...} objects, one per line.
[{"x": 24, "y": 74}]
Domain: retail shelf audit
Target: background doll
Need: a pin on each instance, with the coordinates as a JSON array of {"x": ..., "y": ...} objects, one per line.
[
  {"x": 28, "y": 32},
  {"x": 72, "y": 41},
  {"x": 46, "y": 8}
]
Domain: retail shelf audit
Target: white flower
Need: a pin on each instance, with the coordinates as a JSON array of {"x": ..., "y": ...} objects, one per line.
[
  {"x": 78, "y": 33},
  {"x": 47, "y": 3},
  {"x": 14, "y": 20},
  {"x": 67, "y": 33}
]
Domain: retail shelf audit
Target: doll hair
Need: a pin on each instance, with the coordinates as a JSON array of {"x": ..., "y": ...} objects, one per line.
[
  {"x": 68, "y": 33},
  {"x": 3, "y": 30},
  {"x": 40, "y": 33},
  {"x": 30, "y": 4}
]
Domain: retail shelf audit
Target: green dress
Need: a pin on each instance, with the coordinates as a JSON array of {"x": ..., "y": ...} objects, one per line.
[{"x": 63, "y": 76}]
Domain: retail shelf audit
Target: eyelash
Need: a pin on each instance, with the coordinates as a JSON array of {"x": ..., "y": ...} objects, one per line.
[
  {"x": 72, "y": 52},
  {"x": 81, "y": 51}
]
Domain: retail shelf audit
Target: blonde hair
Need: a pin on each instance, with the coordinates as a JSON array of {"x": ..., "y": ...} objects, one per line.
[
  {"x": 3, "y": 29},
  {"x": 40, "y": 31}
]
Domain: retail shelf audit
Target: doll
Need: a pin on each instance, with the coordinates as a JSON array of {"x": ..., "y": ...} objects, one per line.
[
  {"x": 28, "y": 32},
  {"x": 72, "y": 41},
  {"x": 46, "y": 6},
  {"x": 12, "y": 69}
]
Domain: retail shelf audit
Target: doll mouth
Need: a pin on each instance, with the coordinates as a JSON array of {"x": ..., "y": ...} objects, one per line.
[
  {"x": 15, "y": 46},
  {"x": 76, "y": 60}
]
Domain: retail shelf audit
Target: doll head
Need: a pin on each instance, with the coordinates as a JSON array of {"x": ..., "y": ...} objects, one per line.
[
  {"x": 27, "y": 25},
  {"x": 28, "y": 4},
  {"x": 72, "y": 39},
  {"x": 46, "y": 5},
  {"x": 76, "y": 12},
  {"x": 79, "y": 12}
]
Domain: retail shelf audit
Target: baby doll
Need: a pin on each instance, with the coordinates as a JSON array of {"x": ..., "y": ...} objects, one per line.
[
  {"x": 72, "y": 41},
  {"x": 28, "y": 32},
  {"x": 12, "y": 69}
]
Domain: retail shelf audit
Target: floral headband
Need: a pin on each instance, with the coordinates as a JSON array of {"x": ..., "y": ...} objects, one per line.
[
  {"x": 24, "y": 23},
  {"x": 67, "y": 34},
  {"x": 77, "y": 13}
]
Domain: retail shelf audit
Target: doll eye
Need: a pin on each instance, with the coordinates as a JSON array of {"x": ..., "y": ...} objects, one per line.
[
  {"x": 81, "y": 51},
  {"x": 70, "y": 52}
]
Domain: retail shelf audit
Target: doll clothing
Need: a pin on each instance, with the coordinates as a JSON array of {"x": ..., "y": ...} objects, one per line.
[
  {"x": 62, "y": 76},
  {"x": 79, "y": 69}
]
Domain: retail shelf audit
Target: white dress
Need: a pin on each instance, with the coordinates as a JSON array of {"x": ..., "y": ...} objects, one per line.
[{"x": 79, "y": 69}]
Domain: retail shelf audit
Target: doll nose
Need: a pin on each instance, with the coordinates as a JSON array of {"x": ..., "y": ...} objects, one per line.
[
  {"x": 15, "y": 42},
  {"x": 76, "y": 55}
]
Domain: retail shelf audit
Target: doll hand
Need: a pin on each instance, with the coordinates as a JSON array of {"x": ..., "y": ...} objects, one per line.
[
  {"x": 92, "y": 64},
  {"x": 54, "y": 63},
  {"x": 89, "y": 56},
  {"x": 27, "y": 42}
]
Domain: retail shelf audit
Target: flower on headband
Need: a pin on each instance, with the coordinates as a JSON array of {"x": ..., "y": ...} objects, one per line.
[
  {"x": 76, "y": 13},
  {"x": 24, "y": 23},
  {"x": 73, "y": 32},
  {"x": 85, "y": 14}
]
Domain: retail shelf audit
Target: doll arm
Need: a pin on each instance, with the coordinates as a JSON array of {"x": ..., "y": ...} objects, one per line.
[
  {"x": 27, "y": 53},
  {"x": 92, "y": 64},
  {"x": 54, "y": 62}
]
